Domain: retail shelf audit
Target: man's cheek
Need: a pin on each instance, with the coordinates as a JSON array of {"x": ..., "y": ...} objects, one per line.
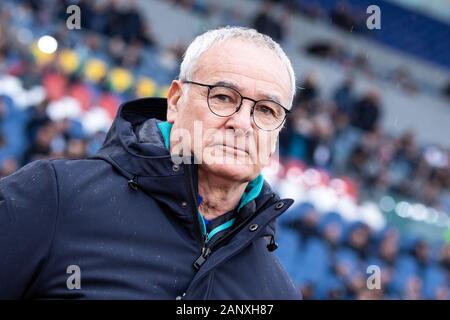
[{"x": 266, "y": 147}]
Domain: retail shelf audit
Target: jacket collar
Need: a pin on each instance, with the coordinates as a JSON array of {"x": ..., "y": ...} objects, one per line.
[{"x": 134, "y": 147}]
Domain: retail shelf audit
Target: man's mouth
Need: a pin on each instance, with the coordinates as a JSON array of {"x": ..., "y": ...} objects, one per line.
[{"x": 233, "y": 149}]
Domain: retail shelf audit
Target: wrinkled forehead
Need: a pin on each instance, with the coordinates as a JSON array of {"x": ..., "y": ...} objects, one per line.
[{"x": 253, "y": 67}]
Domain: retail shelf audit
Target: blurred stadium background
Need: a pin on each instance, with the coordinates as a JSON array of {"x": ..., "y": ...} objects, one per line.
[{"x": 365, "y": 154}]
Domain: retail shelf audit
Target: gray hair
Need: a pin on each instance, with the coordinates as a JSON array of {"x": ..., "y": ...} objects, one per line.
[{"x": 206, "y": 40}]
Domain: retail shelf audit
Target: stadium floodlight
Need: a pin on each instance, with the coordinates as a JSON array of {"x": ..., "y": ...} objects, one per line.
[{"x": 47, "y": 44}]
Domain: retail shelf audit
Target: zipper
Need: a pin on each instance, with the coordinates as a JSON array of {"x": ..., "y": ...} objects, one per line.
[
  {"x": 207, "y": 250},
  {"x": 202, "y": 238},
  {"x": 203, "y": 257}
]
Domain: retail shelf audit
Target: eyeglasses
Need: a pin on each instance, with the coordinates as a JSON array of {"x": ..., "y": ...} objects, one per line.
[{"x": 224, "y": 101}]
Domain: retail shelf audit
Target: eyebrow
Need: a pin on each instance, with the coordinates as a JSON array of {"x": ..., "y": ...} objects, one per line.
[{"x": 238, "y": 88}]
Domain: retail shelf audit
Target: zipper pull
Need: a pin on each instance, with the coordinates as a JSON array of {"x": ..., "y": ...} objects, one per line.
[
  {"x": 272, "y": 246},
  {"x": 132, "y": 183},
  {"x": 202, "y": 259}
]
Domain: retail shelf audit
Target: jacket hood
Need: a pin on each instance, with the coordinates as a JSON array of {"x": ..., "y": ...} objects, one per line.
[{"x": 137, "y": 149}]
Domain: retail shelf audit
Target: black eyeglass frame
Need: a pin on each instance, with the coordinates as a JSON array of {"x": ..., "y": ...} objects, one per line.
[{"x": 212, "y": 86}]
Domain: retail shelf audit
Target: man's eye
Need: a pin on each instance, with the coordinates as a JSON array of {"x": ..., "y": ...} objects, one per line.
[
  {"x": 268, "y": 111},
  {"x": 223, "y": 98}
]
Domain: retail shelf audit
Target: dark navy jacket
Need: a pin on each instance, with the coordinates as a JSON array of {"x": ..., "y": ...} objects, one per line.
[{"x": 127, "y": 219}]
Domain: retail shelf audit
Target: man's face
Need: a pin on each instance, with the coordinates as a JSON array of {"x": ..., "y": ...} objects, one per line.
[{"x": 231, "y": 147}]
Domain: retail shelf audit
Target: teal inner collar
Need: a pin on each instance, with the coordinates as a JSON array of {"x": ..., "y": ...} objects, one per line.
[
  {"x": 165, "y": 128},
  {"x": 253, "y": 188}
]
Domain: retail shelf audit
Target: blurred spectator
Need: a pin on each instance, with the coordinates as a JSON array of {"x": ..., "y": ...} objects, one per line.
[
  {"x": 345, "y": 17},
  {"x": 366, "y": 111},
  {"x": 403, "y": 79},
  {"x": 3, "y": 145},
  {"x": 332, "y": 230},
  {"x": 446, "y": 90},
  {"x": 117, "y": 50},
  {"x": 195, "y": 6},
  {"x": 308, "y": 291},
  {"x": 343, "y": 97},
  {"x": 130, "y": 21},
  {"x": 444, "y": 258},
  {"x": 420, "y": 253},
  {"x": 367, "y": 294},
  {"x": 265, "y": 23},
  {"x": 2, "y": 111},
  {"x": 306, "y": 222},
  {"x": 404, "y": 163},
  {"x": 145, "y": 36},
  {"x": 41, "y": 146},
  {"x": 358, "y": 239},
  {"x": 311, "y": 9},
  {"x": 8, "y": 166},
  {"x": 413, "y": 289},
  {"x": 297, "y": 139},
  {"x": 308, "y": 90},
  {"x": 233, "y": 16},
  {"x": 387, "y": 248},
  {"x": 38, "y": 117},
  {"x": 324, "y": 49},
  {"x": 76, "y": 149},
  {"x": 98, "y": 20},
  {"x": 360, "y": 62}
]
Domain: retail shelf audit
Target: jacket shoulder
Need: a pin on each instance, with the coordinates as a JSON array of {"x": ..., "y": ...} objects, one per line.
[
  {"x": 33, "y": 184},
  {"x": 28, "y": 213}
]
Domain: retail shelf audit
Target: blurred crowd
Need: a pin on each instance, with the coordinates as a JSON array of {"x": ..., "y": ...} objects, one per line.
[
  {"x": 345, "y": 137},
  {"x": 79, "y": 90},
  {"x": 348, "y": 16},
  {"x": 113, "y": 59},
  {"x": 330, "y": 258}
]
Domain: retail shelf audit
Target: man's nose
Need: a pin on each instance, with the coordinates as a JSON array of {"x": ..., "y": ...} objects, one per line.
[{"x": 242, "y": 120}]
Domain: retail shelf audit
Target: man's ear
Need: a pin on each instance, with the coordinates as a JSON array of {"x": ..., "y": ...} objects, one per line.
[{"x": 173, "y": 99}]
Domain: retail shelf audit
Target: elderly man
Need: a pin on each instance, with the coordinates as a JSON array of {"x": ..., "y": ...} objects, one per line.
[{"x": 174, "y": 205}]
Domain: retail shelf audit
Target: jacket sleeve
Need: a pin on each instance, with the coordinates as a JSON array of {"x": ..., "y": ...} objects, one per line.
[{"x": 28, "y": 211}]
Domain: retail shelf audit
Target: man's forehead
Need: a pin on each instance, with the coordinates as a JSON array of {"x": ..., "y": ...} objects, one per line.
[
  {"x": 238, "y": 51},
  {"x": 232, "y": 84},
  {"x": 237, "y": 58}
]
